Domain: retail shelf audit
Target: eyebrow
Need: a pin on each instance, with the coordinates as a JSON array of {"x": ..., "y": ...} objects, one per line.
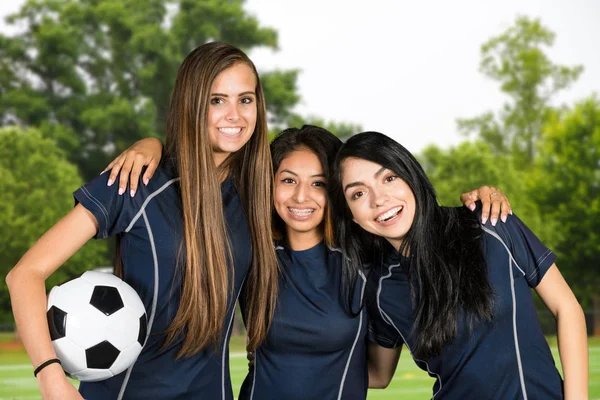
[
  {"x": 241, "y": 94},
  {"x": 295, "y": 174},
  {"x": 358, "y": 183}
]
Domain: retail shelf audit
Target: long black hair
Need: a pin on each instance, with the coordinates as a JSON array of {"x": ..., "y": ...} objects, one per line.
[
  {"x": 322, "y": 144},
  {"x": 444, "y": 260}
]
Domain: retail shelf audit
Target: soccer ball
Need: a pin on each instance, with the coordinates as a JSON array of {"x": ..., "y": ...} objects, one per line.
[{"x": 97, "y": 325}]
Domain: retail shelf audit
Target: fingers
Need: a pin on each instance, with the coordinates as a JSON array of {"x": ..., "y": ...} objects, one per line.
[
  {"x": 468, "y": 199},
  {"x": 109, "y": 166},
  {"x": 506, "y": 208},
  {"x": 496, "y": 199},
  {"x": 116, "y": 167},
  {"x": 486, "y": 202},
  {"x": 125, "y": 171},
  {"x": 138, "y": 164},
  {"x": 150, "y": 170}
]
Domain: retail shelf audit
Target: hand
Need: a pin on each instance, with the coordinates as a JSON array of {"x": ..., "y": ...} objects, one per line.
[
  {"x": 491, "y": 198},
  {"x": 130, "y": 163},
  {"x": 55, "y": 386}
]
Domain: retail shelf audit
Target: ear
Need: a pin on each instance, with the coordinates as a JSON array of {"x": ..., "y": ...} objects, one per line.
[{"x": 354, "y": 220}]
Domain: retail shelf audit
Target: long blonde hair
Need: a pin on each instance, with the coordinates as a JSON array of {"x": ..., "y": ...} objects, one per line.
[{"x": 207, "y": 280}]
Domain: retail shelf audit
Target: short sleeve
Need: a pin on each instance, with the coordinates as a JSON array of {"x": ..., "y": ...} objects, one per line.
[
  {"x": 530, "y": 254},
  {"x": 113, "y": 212},
  {"x": 382, "y": 305}
]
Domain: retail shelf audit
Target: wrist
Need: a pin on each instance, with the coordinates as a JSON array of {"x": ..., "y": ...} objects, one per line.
[{"x": 50, "y": 373}]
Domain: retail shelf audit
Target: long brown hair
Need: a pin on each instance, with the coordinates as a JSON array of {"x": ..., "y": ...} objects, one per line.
[{"x": 207, "y": 280}]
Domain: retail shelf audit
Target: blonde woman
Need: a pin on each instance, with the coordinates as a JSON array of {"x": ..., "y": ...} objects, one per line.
[{"x": 187, "y": 241}]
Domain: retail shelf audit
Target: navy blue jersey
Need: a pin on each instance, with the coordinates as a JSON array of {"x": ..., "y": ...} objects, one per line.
[
  {"x": 150, "y": 225},
  {"x": 314, "y": 349},
  {"x": 507, "y": 358}
]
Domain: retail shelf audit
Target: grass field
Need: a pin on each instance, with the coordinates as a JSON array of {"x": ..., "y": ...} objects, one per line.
[{"x": 410, "y": 383}]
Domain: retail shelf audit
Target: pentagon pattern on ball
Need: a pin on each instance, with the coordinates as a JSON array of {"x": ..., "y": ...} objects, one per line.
[
  {"x": 57, "y": 322},
  {"x": 101, "y": 356},
  {"x": 143, "y": 329},
  {"x": 106, "y": 299}
]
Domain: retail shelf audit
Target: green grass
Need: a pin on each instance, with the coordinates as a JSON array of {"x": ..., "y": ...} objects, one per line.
[{"x": 409, "y": 383}]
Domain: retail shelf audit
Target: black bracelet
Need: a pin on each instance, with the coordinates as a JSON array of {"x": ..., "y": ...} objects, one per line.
[{"x": 44, "y": 365}]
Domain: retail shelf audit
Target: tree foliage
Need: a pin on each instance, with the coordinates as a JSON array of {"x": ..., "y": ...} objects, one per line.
[
  {"x": 36, "y": 182},
  {"x": 471, "y": 165},
  {"x": 566, "y": 187},
  {"x": 516, "y": 59},
  {"x": 96, "y": 75}
]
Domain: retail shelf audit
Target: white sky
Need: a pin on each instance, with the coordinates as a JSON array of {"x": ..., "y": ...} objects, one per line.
[{"x": 407, "y": 68}]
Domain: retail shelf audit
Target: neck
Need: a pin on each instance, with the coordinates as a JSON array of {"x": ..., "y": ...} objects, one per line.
[{"x": 303, "y": 240}]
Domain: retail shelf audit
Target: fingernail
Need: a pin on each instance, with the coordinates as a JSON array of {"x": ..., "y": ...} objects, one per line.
[
  {"x": 472, "y": 207},
  {"x": 494, "y": 220},
  {"x": 145, "y": 181},
  {"x": 102, "y": 172},
  {"x": 132, "y": 193},
  {"x": 121, "y": 191},
  {"x": 483, "y": 220},
  {"x": 503, "y": 218},
  {"x": 110, "y": 182},
  {"x": 510, "y": 212}
]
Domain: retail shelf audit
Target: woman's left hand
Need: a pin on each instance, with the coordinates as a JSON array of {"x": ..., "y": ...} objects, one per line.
[{"x": 494, "y": 203}]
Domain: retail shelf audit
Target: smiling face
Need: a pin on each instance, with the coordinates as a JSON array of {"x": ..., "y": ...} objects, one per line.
[
  {"x": 380, "y": 202},
  {"x": 300, "y": 198},
  {"x": 232, "y": 111}
]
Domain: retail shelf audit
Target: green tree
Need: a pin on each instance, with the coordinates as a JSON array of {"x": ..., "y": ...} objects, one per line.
[
  {"x": 36, "y": 182},
  {"x": 471, "y": 165},
  {"x": 516, "y": 59},
  {"x": 96, "y": 75},
  {"x": 566, "y": 186}
]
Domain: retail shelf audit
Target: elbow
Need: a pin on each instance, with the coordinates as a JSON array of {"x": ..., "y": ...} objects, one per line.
[
  {"x": 379, "y": 382},
  {"x": 10, "y": 279}
]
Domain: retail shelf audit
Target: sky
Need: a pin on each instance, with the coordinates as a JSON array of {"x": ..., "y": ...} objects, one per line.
[{"x": 405, "y": 68}]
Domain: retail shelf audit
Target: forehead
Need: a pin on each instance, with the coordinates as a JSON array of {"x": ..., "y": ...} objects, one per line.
[
  {"x": 358, "y": 169},
  {"x": 302, "y": 159},
  {"x": 237, "y": 78}
]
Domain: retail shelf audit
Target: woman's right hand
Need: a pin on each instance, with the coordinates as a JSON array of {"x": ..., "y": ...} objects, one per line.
[
  {"x": 146, "y": 152},
  {"x": 54, "y": 385}
]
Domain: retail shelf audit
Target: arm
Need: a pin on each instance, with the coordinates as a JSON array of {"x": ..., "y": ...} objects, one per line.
[
  {"x": 381, "y": 363},
  {"x": 572, "y": 335},
  {"x": 130, "y": 162},
  {"x": 28, "y": 295},
  {"x": 493, "y": 201}
]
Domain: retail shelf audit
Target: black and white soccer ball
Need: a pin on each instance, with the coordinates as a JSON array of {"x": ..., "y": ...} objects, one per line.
[{"x": 97, "y": 325}]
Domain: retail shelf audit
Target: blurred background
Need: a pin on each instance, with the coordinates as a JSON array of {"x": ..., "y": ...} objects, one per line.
[{"x": 503, "y": 94}]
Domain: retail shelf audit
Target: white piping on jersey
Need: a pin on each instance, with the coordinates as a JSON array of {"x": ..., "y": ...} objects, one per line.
[
  {"x": 387, "y": 319},
  {"x": 227, "y": 338},
  {"x": 254, "y": 373},
  {"x": 154, "y": 301},
  {"x": 362, "y": 292},
  {"x": 158, "y": 191},
  {"x": 514, "y": 306},
  {"x": 100, "y": 206}
]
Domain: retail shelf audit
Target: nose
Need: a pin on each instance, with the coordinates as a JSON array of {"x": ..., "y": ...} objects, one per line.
[
  {"x": 379, "y": 197},
  {"x": 233, "y": 113},
  {"x": 300, "y": 194}
]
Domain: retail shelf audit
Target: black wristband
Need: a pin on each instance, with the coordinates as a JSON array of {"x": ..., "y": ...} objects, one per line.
[{"x": 44, "y": 365}]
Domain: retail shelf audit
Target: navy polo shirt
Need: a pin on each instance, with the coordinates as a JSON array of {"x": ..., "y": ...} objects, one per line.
[
  {"x": 314, "y": 349},
  {"x": 507, "y": 358},
  {"x": 151, "y": 227}
]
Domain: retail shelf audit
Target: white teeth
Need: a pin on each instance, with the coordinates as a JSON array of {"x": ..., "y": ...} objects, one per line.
[
  {"x": 302, "y": 212},
  {"x": 230, "y": 131},
  {"x": 389, "y": 214}
]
